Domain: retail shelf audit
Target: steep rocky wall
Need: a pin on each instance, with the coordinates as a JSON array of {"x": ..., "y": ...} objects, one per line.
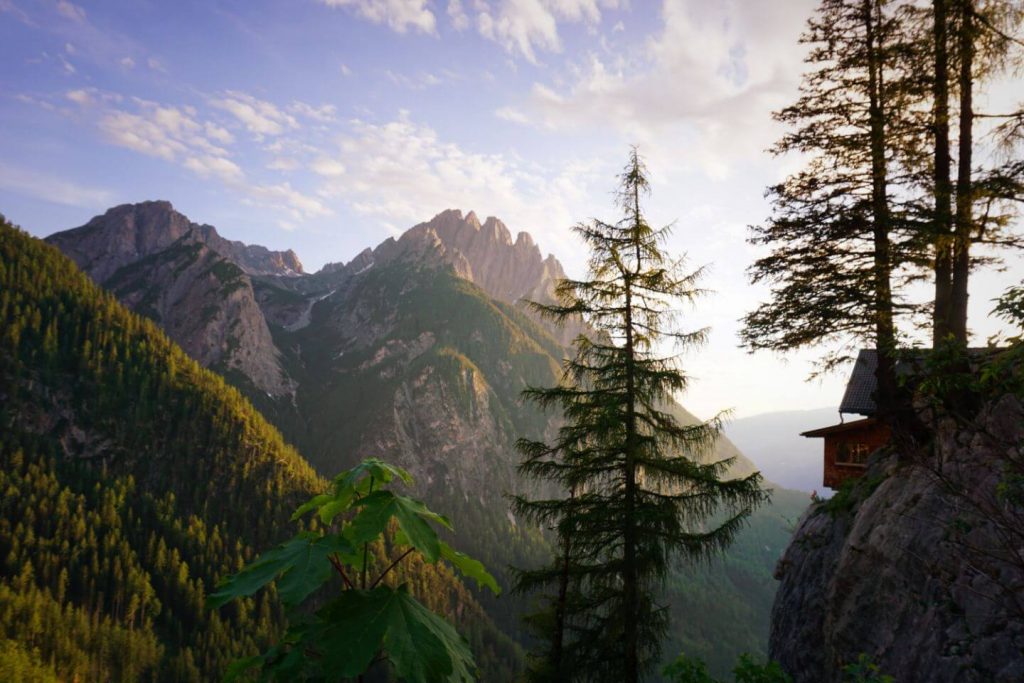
[{"x": 921, "y": 566}]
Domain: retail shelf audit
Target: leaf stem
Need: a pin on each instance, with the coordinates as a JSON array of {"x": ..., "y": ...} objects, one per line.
[
  {"x": 366, "y": 546},
  {"x": 336, "y": 563},
  {"x": 391, "y": 566}
]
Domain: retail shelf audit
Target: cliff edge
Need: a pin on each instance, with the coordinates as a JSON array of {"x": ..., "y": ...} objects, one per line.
[{"x": 920, "y": 564}]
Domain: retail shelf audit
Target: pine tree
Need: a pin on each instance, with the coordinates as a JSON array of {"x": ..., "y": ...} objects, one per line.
[{"x": 639, "y": 491}]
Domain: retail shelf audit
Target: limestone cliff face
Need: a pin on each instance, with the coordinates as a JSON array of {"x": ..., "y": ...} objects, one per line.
[
  {"x": 127, "y": 233},
  {"x": 922, "y": 568},
  {"x": 207, "y": 305},
  {"x": 513, "y": 271},
  {"x": 197, "y": 285},
  {"x": 483, "y": 253}
]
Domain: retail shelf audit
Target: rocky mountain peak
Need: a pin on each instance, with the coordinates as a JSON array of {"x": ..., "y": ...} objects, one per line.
[
  {"x": 130, "y": 232},
  {"x": 506, "y": 270}
]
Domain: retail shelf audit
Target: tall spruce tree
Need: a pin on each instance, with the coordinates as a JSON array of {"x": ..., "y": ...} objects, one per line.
[
  {"x": 638, "y": 489},
  {"x": 839, "y": 233}
]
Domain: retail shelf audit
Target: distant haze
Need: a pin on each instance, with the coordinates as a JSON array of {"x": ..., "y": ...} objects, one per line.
[{"x": 773, "y": 442}]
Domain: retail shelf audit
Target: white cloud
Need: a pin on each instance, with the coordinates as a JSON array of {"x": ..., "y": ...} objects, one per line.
[
  {"x": 156, "y": 65},
  {"x": 402, "y": 172},
  {"x": 81, "y": 96},
  {"x": 282, "y": 196},
  {"x": 283, "y": 164},
  {"x": 526, "y": 26},
  {"x": 166, "y": 132},
  {"x": 258, "y": 116},
  {"x": 213, "y": 166},
  {"x": 140, "y": 134},
  {"x": 421, "y": 81},
  {"x": 127, "y": 63},
  {"x": 708, "y": 81},
  {"x": 399, "y": 15},
  {"x": 71, "y": 11},
  {"x": 457, "y": 15},
  {"x": 51, "y": 188},
  {"x": 345, "y": 70},
  {"x": 511, "y": 114},
  {"x": 218, "y": 133},
  {"x": 328, "y": 167},
  {"x": 325, "y": 113}
]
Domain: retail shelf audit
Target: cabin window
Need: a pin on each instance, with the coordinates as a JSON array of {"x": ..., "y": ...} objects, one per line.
[{"x": 852, "y": 453}]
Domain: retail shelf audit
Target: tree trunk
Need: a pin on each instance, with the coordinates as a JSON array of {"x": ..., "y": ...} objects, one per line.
[
  {"x": 964, "y": 199},
  {"x": 557, "y": 645},
  {"x": 630, "y": 572},
  {"x": 943, "y": 190},
  {"x": 885, "y": 337}
]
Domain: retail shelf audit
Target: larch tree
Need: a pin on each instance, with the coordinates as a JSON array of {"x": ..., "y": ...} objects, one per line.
[{"x": 639, "y": 488}]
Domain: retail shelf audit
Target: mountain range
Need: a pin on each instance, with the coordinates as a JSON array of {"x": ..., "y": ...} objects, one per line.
[{"x": 415, "y": 351}]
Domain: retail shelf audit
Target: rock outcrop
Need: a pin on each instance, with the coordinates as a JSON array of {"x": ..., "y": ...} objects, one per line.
[
  {"x": 207, "y": 305},
  {"x": 130, "y": 232},
  {"x": 921, "y": 566},
  {"x": 196, "y": 284},
  {"x": 513, "y": 271},
  {"x": 483, "y": 253}
]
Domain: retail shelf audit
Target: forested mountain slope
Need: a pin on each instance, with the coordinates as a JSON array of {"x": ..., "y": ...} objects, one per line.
[{"x": 132, "y": 480}]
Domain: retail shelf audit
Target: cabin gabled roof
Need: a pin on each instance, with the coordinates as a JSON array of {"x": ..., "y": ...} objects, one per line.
[{"x": 858, "y": 397}]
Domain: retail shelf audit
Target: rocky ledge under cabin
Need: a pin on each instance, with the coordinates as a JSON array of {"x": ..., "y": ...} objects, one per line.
[{"x": 919, "y": 564}]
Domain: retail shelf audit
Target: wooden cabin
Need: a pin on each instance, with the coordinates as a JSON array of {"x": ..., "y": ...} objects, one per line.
[
  {"x": 848, "y": 444},
  {"x": 847, "y": 447}
]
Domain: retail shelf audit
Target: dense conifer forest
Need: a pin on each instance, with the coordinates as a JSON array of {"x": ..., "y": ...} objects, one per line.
[{"x": 132, "y": 480}]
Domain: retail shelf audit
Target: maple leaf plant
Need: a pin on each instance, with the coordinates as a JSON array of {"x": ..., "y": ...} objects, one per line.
[{"x": 371, "y": 619}]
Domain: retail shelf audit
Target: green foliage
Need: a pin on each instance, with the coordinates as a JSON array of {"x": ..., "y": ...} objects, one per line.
[
  {"x": 749, "y": 671},
  {"x": 693, "y": 670},
  {"x": 850, "y": 493},
  {"x": 1010, "y": 306},
  {"x": 864, "y": 670},
  {"x": 368, "y": 622},
  {"x": 687, "y": 670}
]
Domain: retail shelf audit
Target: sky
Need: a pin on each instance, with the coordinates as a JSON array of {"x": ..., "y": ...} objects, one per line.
[{"x": 326, "y": 126}]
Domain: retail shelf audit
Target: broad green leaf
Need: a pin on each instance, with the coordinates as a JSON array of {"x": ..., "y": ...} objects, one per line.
[
  {"x": 412, "y": 516},
  {"x": 311, "y": 504},
  {"x": 422, "y": 646},
  {"x": 381, "y": 472},
  {"x": 288, "y": 665},
  {"x": 341, "y": 503},
  {"x": 474, "y": 569},
  {"x": 302, "y": 562},
  {"x": 377, "y": 510},
  {"x": 240, "y": 666},
  {"x": 353, "y": 629},
  {"x": 310, "y": 568}
]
